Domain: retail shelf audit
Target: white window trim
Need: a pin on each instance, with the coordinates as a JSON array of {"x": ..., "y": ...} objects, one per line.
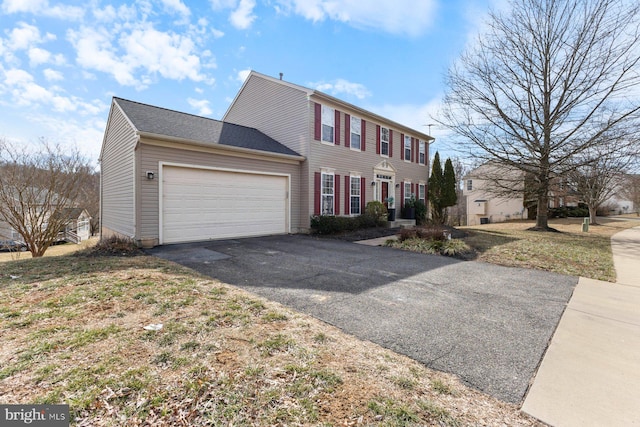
[
  {"x": 404, "y": 149},
  {"x": 388, "y": 141},
  {"x": 323, "y": 194},
  {"x": 358, "y": 179},
  {"x": 407, "y": 194},
  {"x": 469, "y": 185},
  {"x": 422, "y": 151},
  {"x": 422, "y": 186},
  {"x": 351, "y": 132},
  {"x": 323, "y": 124}
]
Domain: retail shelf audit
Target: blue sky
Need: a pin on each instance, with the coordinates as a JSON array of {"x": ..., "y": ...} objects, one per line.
[{"x": 61, "y": 62}]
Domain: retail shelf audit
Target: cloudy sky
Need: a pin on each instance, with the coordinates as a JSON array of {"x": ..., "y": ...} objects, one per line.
[{"x": 62, "y": 61}]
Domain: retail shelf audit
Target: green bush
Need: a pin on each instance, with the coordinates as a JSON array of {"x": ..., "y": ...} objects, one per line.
[
  {"x": 421, "y": 212},
  {"x": 378, "y": 211}
]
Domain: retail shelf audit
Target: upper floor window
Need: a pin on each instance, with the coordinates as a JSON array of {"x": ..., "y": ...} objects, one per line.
[
  {"x": 355, "y": 195},
  {"x": 407, "y": 147},
  {"x": 384, "y": 141},
  {"x": 327, "y": 192},
  {"x": 469, "y": 184},
  {"x": 422, "y": 148},
  {"x": 355, "y": 133},
  {"x": 328, "y": 124}
]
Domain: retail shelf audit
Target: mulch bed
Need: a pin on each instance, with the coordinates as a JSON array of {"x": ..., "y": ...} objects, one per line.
[{"x": 375, "y": 232}]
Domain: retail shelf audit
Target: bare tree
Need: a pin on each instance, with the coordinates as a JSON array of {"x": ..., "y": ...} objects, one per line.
[
  {"x": 36, "y": 188},
  {"x": 543, "y": 84},
  {"x": 600, "y": 171}
]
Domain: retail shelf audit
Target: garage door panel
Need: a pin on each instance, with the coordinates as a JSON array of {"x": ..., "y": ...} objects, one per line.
[{"x": 200, "y": 204}]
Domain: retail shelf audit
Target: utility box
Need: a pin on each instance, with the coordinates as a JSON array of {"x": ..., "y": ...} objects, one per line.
[{"x": 585, "y": 225}]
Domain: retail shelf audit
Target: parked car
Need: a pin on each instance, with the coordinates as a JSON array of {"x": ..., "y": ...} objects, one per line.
[{"x": 12, "y": 246}]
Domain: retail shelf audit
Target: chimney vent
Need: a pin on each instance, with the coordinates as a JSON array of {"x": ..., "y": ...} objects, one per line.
[{"x": 281, "y": 74}]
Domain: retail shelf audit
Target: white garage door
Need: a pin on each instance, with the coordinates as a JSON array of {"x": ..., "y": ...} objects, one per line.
[{"x": 201, "y": 204}]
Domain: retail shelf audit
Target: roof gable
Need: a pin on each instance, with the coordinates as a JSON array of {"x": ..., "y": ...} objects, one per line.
[{"x": 161, "y": 121}]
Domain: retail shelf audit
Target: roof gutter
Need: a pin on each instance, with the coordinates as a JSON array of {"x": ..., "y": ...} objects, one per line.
[{"x": 215, "y": 145}]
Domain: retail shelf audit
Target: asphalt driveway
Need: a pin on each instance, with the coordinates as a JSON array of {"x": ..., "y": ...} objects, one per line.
[{"x": 489, "y": 325}]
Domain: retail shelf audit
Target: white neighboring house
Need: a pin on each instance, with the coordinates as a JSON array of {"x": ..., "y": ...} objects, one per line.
[{"x": 486, "y": 203}]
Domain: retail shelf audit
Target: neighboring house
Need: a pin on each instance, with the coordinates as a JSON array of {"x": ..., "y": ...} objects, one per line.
[
  {"x": 78, "y": 228},
  {"x": 282, "y": 153},
  {"x": 487, "y": 197}
]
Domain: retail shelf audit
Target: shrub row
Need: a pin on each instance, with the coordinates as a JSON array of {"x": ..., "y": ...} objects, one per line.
[
  {"x": 435, "y": 234},
  {"x": 568, "y": 212},
  {"x": 375, "y": 215}
]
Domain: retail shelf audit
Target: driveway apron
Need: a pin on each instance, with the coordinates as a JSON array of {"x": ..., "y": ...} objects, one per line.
[{"x": 487, "y": 324}]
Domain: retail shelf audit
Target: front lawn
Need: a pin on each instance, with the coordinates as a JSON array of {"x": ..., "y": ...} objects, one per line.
[{"x": 72, "y": 331}]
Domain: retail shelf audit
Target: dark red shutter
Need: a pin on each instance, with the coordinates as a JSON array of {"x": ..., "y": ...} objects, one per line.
[
  {"x": 363, "y": 191},
  {"x": 336, "y": 196},
  {"x": 402, "y": 146},
  {"x": 401, "y": 194},
  {"x": 413, "y": 188},
  {"x": 377, "y": 139},
  {"x": 317, "y": 122},
  {"x": 390, "y": 143},
  {"x": 347, "y": 130},
  {"x": 347, "y": 195},
  {"x": 362, "y": 134},
  {"x": 336, "y": 139},
  {"x": 316, "y": 193}
]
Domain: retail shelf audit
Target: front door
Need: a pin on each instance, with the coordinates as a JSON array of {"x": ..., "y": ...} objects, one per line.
[{"x": 384, "y": 190}]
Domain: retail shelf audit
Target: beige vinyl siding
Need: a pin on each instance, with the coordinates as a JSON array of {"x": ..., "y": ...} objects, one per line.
[
  {"x": 152, "y": 154},
  {"x": 276, "y": 110},
  {"x": 117, "y": 179},
  {"x": 345, "y": 160}
]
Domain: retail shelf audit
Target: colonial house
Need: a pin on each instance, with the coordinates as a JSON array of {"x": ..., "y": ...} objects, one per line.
[{"x": 281, "y": 153}]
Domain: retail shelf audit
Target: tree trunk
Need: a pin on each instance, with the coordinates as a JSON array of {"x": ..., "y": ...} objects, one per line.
[
  {"x": 542, "y": 218},
  {"x": 592, "y": 215}
]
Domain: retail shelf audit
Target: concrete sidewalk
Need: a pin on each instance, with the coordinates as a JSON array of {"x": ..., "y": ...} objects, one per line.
[{"x": 590, "y": 374}]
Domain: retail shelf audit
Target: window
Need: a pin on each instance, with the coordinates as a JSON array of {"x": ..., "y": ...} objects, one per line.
[
  {"x": 422, "y": 152},
  {"x": 328, "y": 124},
  {"x": 355, "y": 133},
  {"x": 327, "y": 193},
  {"x": 355, "y": 195},
  {"x": 407, "y": 192},
  {"x": 384, "y": 141},
  {"x": 469, "y": 184},
  {"x": 407, "y": 148},
  {"x": 421, "y": 193}
]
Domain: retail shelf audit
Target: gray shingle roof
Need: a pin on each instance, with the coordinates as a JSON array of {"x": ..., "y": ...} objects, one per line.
[{"x": 160, "y": 121}]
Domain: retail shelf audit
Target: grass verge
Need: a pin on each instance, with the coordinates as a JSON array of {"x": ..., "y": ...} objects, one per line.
[
  {"x": 572, "y": 252},
  {"x": 72, "y": 331}
]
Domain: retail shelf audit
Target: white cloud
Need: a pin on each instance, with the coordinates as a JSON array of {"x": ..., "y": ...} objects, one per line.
[
  {"x": 342, "y": 86},
  {"x": 243, "y": 74},
  {"x": 52, "y": 75},
  {"x": 402, "y": 17},
  {"x": 176, "y": 6},
  {"x": 243, "y": 16},
  {"x": 139, "y": 56},
  {"x": 201, "y": 105},
  {"x": 24, "y": 36},
  {"x": 43, "y": 8},
  {"x": 223, "y": 4}
]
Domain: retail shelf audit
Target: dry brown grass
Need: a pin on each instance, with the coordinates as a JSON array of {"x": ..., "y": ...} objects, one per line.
[
  {"x": 55, "y": 250},
  {"x": 72, "y": 332},
  {"x": 571, "y": 251}
]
